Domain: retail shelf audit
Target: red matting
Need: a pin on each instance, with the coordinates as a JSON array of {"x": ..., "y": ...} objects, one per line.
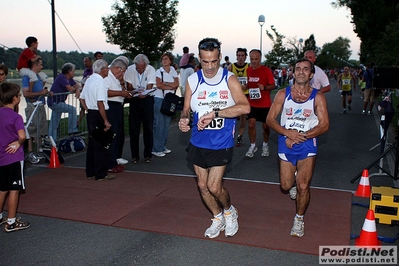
[{"x": 172, "y": 205}]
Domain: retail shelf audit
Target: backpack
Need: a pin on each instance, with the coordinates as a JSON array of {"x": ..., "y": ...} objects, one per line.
[{"x": 71, "y": 144}]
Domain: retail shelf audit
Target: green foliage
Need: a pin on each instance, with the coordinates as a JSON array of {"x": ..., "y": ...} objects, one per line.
[
  {"x": 335, "y": 54},
  {"x": 376, "y": 23},
  {"x": 10, "y": 58},
  {"x": 279, "y": 53},
  {"x": 310, "y": 44},
  {"x": 142, "y": 26}
]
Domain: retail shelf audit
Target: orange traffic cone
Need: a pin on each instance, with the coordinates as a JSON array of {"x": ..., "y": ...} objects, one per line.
[
  {"x": 363, "y": 189},
  {"x": 54, "y": 161},
  {"x": 368, "y": 235}
]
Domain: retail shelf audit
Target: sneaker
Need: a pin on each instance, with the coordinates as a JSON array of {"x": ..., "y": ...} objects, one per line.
[
  {"x": 116, "y": 169},
  {"x": 166, "y": 151},
  {"x": 18, "y": 225},
  {"x": 293, "y": 192},
  {"x": 122, "y": 161},
  {"x": 108, "y": 177},
  {"x": 369, "y": 113},
  {"x": 344, "y": 111},
  {"x": 251, "y": 151},
  {"x": 147, "y": 160},
  {"x": 135, "y": 160},
  {"x": 298, "y": 229},
  {"x": 265, "y": 151},
  {"x": 231, "y": 222},
  {"x": 3, "y": 220},
  {"x": 158, "y": 154},
  {"x": 33, "y": 158},
  {"x": 349, "y": 107},
  {"x": 239, "y": 141},
  {"x": 363, "y": 112},
  {"x": 218, "y": 224}
]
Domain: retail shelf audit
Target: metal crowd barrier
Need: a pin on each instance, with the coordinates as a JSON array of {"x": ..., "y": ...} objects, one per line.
[{"x": 62, "y": 127}]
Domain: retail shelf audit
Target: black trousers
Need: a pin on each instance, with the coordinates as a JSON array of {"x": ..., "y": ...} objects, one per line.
[
  {"x": 115, "y": 118},
  {"x": 97, "y": 157},
  {"x": 141, "y": 112}
]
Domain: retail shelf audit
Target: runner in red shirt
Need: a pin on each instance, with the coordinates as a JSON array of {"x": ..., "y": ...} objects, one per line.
[{"x": 260, "y": 83}]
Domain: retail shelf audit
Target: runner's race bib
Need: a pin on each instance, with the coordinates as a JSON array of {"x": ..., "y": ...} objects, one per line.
[
  {"x": 215, "y": 124},
  {"x": 242, "y": 80},
  {"x": 254, "y": 94}
]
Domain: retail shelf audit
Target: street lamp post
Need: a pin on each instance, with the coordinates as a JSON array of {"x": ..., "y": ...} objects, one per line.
[
  {"x": 261, "y": 21},
  {"x": 300, "y": 46}
]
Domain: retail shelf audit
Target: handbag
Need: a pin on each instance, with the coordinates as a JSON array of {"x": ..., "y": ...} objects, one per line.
[
  {"x": 105, "y": 138},
  {"x": 171, "y": 103}
]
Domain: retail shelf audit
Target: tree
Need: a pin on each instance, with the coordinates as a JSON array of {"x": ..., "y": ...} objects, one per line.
[
  {"x": 310, "y": 44},
  {"x": 297, "y": 51},
  {"x": 375, "y": 22},
  {"x": 335, "y": 54},
  {"x": 142, "y": 26},
  {"x": 294, "y": 50},
  {"x": 279, "y": 53}
]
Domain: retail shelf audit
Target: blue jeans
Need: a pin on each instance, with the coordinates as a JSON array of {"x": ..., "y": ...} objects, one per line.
[
  {"x": 161, "y": 127},
  {"x": 58, "y": 109}
]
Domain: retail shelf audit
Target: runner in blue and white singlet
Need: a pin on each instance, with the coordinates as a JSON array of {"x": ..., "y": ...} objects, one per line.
[
  {"x": 215, "y": 98},
  {"x": 207, "y": 95},
  {"x": 299, "y": 116},
  {"x": 304, "y": 117}
]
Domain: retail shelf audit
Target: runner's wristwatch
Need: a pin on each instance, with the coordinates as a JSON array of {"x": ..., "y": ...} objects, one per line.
[{"x": 216, "y": 112}]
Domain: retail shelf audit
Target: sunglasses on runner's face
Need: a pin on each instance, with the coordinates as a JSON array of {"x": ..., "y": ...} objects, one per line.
[{"x": 209, "y": 45}]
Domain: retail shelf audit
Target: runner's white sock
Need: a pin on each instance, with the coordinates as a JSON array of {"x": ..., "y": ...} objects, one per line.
[
  {"x": 230, "y": 209},
  {"x": 11, "y": 220},
  {"x": 220, "y": 215}
]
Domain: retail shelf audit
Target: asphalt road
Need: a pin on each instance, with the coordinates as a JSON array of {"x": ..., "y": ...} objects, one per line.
[{"x": 343, "y": 153}]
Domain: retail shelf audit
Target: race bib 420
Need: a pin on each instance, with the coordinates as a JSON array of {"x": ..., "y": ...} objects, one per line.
[{"x": 254, "y": 94}]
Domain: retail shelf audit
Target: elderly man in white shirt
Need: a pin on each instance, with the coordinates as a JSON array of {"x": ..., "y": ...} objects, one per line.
[
  {"x": 320, "y": 80},
  {"x": 94, "y": 99},
  {"x": 140, "y": 79},
  {"x": 116, "y": 96}
]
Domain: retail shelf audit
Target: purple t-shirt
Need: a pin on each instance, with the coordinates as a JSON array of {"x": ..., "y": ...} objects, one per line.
[
  {"x": 10, "y": 124},
  {"x": 87, "y": 72},
  {"x": 59, "y": 86}
]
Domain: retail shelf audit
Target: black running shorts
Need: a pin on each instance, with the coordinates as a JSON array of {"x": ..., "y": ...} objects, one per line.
[{"x": 206, "y": 158}]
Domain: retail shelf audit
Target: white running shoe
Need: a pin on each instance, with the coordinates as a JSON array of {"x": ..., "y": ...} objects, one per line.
[
  {"x": 251, "y": 151},
  {"x": 158, "y": 154},
  {"x": 218, "y": 224},
  {"x": 265, "y": 151},
  {"x": 293, "y": 192},
  {"x": 122, "y": 161},
  {"x": 298, "y": 229},
  {"x": 231, "y": 222},
  {"x": 166, "y": 151}
]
